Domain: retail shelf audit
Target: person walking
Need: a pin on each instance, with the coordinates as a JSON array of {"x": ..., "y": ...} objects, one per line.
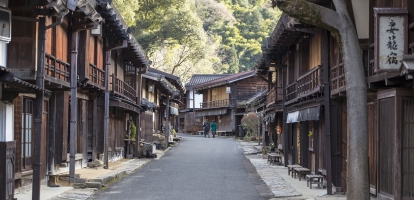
[
  {"x": 206, "y": 128},
  {"x": 213, "y": 128}
]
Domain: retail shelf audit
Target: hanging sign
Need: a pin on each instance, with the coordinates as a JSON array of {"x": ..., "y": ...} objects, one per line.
[{"x": 391, "y": 38}]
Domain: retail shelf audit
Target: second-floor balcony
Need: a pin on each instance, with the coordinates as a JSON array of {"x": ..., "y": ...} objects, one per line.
[
  {"x": 57, "y": 70},
  {"x": 338, "y": 79},
  {"x": 96, "y": 76},
  {"x": 217, "y": 103},
  {"x": 121, "y": 88},
  {"x": 307, "y": 85},
  {"x": 274, "y": 95}
]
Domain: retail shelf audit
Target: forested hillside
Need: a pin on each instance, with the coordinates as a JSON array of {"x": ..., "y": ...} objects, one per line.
[{"x": 184, "y": 37}]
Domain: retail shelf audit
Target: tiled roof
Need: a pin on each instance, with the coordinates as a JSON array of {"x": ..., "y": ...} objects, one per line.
[
  {"x": 171, "y": 77},
  {"x": 257, "y": 97},
  {"x": 225, "y": 80},
  {"x": 202, "y": 78}
]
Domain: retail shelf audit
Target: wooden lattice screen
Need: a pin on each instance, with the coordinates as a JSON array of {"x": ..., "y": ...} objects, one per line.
[{"x": 7, "y": 164}]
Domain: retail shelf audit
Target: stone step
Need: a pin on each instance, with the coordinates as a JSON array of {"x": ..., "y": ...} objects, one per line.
[{"x": 97, "y": 185}]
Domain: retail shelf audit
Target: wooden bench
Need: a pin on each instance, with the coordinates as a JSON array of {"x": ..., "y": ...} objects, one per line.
[
  {"x": 291, "y": 167},
  {"x": 274, "y": 157},
  {"x": 300, "y": 171},
  {"x": 314, "y": 179},
  {"x": 224, "y": 133}
]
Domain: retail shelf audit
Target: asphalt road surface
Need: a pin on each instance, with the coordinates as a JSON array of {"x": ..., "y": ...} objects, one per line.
[{"x": 197, "y": 168}]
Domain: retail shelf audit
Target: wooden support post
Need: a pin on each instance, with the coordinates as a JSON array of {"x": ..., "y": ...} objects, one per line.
[
  {"x": 285, "y": 125},
  {"x": 51, "y": 136},
  {"x": 73, "y": 102},
  {"x": 167, "y": 127},
  {"x": 95, "y": 128},
  {"x": 138, "y": 118},
  {"x": 38, "y": 112},
  {"x": 327, "y": 128},
  {"x": 106, "y": 107}
]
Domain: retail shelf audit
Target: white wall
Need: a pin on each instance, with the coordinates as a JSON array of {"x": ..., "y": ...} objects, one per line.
[
  {"x": 3, "y": 54},
  {"x": 6, "y": 122},
  {"x": 198, "y": 99}
]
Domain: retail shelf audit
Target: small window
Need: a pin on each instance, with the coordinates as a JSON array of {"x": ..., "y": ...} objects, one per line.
[{"x": 27, "y": 133}]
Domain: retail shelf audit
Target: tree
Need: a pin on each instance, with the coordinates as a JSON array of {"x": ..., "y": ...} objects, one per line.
[
  {"x": 127, "y": 9},
  {"x": 341, "y": 27}
]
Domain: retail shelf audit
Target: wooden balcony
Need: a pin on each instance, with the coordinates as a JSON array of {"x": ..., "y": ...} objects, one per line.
[
  {"x": 217, "y": 103},
  {"x": 57, "y": 70},
  {"x": 96, "y": 76},
  {"x": 121, "y": 88},
  {"x": 274, "y": 95},
  {"x": 338, "y": 85},
  {"x": 309, "y": 84},
  {"x": 291, "y": 90}
]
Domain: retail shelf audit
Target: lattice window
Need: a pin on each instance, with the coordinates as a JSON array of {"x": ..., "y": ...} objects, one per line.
[{"x": 27, "y": 133}]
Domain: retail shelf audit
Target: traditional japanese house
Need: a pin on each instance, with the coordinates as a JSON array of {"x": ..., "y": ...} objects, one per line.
[
  {"x": 221, "y": 96},
  {"x": 125, "y": 62},
  {"x": 188, "y": 123},
  {"x": 40, "y": 53},
  {"x": 12, "y": 87},
  {"x": 67, "y": 53},
  {"x": 389, "y": 60},
  {"x": 297, "y": 116},
  {"x": 159, "y": 89}
]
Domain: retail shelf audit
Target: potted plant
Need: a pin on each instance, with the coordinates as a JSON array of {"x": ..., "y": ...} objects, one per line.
[
  {"x": 174, "y": 133},
  {"x": 265, "y": 153},
  {"x": 272, "y": 146}
]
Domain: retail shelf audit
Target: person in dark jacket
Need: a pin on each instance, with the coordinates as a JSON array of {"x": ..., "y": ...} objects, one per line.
[
  {"x": 213, "y": 128},
  {"x": 206, "y": 126}
]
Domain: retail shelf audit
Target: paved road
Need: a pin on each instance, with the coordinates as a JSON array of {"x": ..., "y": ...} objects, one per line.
[{"x": 198, "y": 168}]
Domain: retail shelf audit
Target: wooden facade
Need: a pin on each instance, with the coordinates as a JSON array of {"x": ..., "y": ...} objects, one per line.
[
  {"x": 221, "y": 97},
  {"x": 70, "y": 42},
  {"x": 297, "y": 60}
]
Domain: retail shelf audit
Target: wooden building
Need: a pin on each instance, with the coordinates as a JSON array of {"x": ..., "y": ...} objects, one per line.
[
  {"x": 300, "y": 112},
  {"x": 161, "y": 91},
  {"x": 72, "y": 74},
  {"x": 221, "y": 96},
  {"x": 188, "y": 123},
  {"x": 313, "y": 134}
]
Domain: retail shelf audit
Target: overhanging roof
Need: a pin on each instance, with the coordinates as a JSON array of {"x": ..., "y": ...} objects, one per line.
[
  {"x": 225, "y": 80},
  {"x": 213, "y": 112},
  {"x": 116, "y": 28}
]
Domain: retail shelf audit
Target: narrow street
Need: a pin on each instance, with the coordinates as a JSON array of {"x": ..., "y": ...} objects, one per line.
[{"x": 198, "y": 168}]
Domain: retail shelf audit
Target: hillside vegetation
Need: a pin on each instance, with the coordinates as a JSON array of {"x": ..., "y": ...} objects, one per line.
[{"x": 184, "y": 37}]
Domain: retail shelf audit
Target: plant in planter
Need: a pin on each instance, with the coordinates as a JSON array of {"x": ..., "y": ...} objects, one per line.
[
  {"x": 272, "y": 146},
  {"x": 174, "y": 133},
  {"x": 265, "y": 153}
]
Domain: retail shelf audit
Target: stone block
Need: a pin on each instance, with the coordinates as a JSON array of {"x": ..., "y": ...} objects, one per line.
[{"x": 96, "y": 185}]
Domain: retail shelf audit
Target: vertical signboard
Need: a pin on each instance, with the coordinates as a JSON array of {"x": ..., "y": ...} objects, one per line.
[{"x": 390, "y": 38}]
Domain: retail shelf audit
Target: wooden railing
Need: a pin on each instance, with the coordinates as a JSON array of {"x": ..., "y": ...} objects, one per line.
[
  {"x": 310, "y": 81},
  {"x": 275, "y": 94},
  {"x": 291, "y": 91},
  {"x": 217, "y": 103},
  {"x": 57, "y": 68},
  {"x": 121, "y": 88},
  {"x": 337, "y": 79},
  {"x": 96, "y": 75},
  {"x": 305, "y": 85}
]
